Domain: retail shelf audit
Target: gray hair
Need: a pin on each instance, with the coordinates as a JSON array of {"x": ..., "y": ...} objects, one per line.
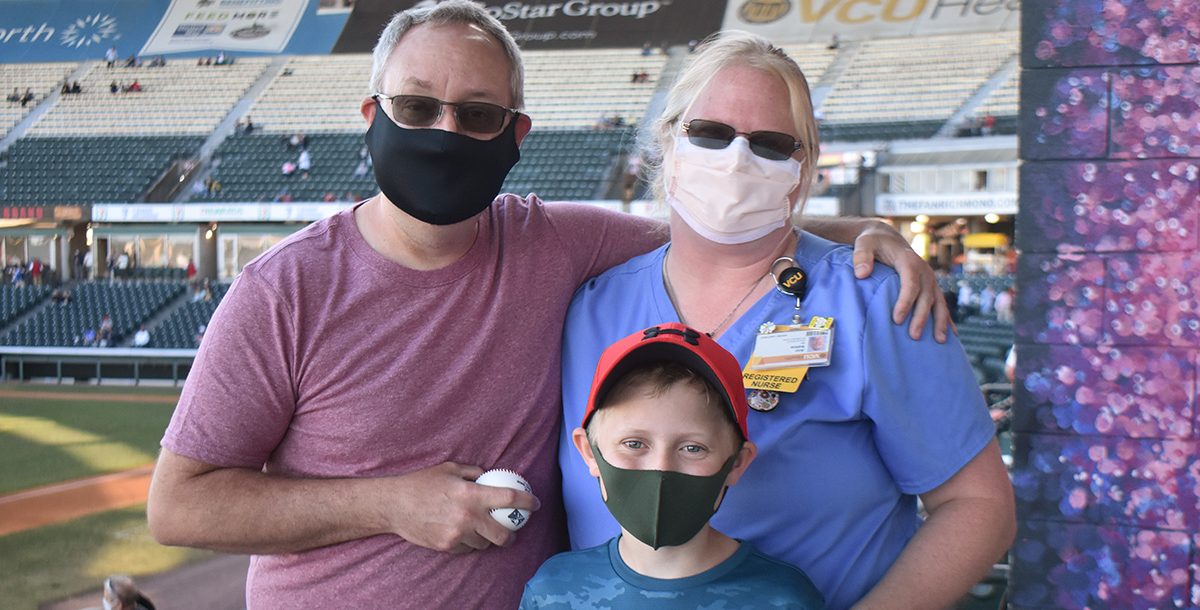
[
  {"x": 444, "y": 13},
  {"x": 723, "y": 49}
]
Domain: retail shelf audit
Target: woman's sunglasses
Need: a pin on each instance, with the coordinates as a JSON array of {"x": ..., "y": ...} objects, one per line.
[
  {"x": 424, "y": 111},
  {"x": 771, "y": 145}
]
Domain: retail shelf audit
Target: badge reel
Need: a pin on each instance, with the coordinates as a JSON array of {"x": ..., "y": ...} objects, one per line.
[{"x": 783, "y": 353}]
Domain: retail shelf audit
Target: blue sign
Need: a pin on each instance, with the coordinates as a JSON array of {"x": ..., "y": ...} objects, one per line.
[{"x": 74, "y": 30}]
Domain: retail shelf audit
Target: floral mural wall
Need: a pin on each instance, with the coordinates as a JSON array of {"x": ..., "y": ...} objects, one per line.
[{"x": 1107, "y": 457}]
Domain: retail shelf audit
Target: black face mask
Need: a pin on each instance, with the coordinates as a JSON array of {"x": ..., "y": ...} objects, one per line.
[{"x": 437, "y": 176}]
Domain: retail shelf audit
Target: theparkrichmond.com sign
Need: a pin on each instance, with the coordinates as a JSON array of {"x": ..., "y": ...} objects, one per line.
[
  {"x": 788, "y": 21},
  {"x": 562, "y": 24}
]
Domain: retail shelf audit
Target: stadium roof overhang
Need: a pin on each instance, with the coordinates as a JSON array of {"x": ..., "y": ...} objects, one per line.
[
  {"x": 949, "y": 153},
  {"x": 949, "y": 159}
]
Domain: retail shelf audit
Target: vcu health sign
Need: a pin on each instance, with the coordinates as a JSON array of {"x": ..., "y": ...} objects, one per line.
[{"x": 787, "y": 21}]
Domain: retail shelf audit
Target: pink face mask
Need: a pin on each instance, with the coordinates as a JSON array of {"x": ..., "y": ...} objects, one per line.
[{"x": 730, "y": 195}]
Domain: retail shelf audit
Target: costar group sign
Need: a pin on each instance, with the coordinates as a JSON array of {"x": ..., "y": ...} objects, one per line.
[{"x": 575, "y": 8}]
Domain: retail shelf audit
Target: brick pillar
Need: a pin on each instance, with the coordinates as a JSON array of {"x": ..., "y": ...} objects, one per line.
[{"x": 1106, "y": 469}]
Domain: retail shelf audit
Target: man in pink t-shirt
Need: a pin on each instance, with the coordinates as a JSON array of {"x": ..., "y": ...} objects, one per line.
[{"x": 358, "y": 377}]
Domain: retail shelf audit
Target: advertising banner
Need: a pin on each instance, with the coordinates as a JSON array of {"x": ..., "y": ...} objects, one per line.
[
  {"x": 74, "y": 30},
  {"x": 562, "y": 24},
  {"x": 263, "y": 26},
  {"x": 948, "y": 204},
  {"x": 796, "y": 21}
]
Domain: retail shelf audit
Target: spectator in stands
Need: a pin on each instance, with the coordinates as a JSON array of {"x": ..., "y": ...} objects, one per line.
[
  {"x": 104, "y": 335},
  {"x": 60, "y": 296},
  {"x": 633, "y": 172},
  {"x": 76, "y": 88},
  {"x": 834, "y": 43},
  {"x": 121, "y": 594},
  {"x": 190, "y": 273},
  {"x": 361, "y": 169},
  {"x": 966, "y": 299},
  {"x": 87, "y": 264},
  {"x": 65, "y": 89},
  {"x": 110, "y": 55},
  {"x": 18, "y": 277},
  {"x": 247, "y": 127},
  {"x": 77, "y": 265},
  {"x": 212, "y": 186},
  {"x": 142, "y": 337},
  {"x": 987, "y": 299},
  {"x": 28, "y": 97},
  {"x": 284, "y": 196},
  {"x": 329, "y": 197},
  {"x": 89, "y": 337},
  {"x": 199, "y": 187},
  {"x": 647, "y": 50},
  {"x": 312, "y": 374},
  {"x": 158, "y": 62},
  {"x": 202, "y": 292},
  {"x": 133, "y": 61},
  {"x": 135, "y": 87},
  {"x": 739, "y": 143},
  {"x": 221, "y": 60},
  {"x": 304, "y": 163},
  {"x": 114, "y": 87},
  {"x": 199, "y": 336},
  {"x": 35, "y": 271},
  {"x": 15, "y": 96},
  {"x": 1004, "y": 305},
  {"x": 288, "y": 168},
  {"x": 988, "y": 125}
]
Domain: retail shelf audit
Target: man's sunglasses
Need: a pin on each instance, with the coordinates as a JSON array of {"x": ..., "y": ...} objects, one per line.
[
  {"x": 771, "y": 145},
  {"x": 424, "y": 111}
]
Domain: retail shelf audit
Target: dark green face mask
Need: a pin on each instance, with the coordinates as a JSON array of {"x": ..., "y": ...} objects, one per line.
[{"x": 661, "y": 508}]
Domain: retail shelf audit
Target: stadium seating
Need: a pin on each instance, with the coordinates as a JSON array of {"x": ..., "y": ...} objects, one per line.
[
  {"x": 128, "y": 303},
  {"x": 249, "y": 169},
  {"x": 42, "y": 79},
  {"x": 555, "y": 164},
  {"x": 986, "y": 342},
  {"x": 920, "y": 79},
  {"x": 87, "y": 169},
  {"x": 179, "y": 98},
  {"x": 15, "y": 301},
  {"x": 178, "y": 329}
]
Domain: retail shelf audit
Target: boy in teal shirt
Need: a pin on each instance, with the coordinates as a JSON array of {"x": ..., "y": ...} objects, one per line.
[{"x": 665, "y": 432}]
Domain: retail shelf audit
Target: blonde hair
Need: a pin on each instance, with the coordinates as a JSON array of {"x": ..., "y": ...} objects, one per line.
[
  {"x": 719, "y": 51},
  {"x": 446, "y": 13}
]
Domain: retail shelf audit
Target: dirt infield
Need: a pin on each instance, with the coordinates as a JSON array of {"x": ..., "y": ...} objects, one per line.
[
  {"x": 59, "y": 502},
  {"x": 46, "y": 395},
  {"x": 62, "y": 501}
]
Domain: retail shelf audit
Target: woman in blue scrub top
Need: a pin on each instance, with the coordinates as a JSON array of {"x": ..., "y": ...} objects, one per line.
[{"x": 877, "y": 419}]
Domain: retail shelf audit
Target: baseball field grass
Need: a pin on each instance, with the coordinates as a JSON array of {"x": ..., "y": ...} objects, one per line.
[
  {"x": 45, "y": 439},
  {"x": 51, "y": 434},
  {"x": 57, "y": 561}
]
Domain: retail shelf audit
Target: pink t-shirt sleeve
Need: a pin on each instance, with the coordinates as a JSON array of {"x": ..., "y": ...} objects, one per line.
[
  {"x": 596, "y": 238},
  {"x": 239, "y": 398}
]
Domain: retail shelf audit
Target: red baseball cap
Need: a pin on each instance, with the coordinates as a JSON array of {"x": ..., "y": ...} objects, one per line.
[{"x": 673, "y": 342}]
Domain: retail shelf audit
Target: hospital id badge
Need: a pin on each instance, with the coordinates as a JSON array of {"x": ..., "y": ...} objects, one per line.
[{"x": 794, "y": 346}]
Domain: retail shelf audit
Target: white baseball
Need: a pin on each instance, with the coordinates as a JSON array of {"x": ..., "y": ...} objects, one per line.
[{"x": 512, "y": 518}]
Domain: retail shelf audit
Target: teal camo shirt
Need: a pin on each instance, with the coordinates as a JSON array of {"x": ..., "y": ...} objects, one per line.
[{"x": 598, "y": 579}]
